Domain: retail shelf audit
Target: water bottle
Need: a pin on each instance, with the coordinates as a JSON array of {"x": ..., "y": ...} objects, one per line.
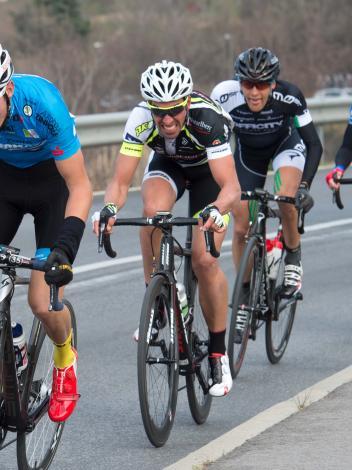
[
  {"x": 20, "y": 347},
  {"x": 182, "y": 297},
  {"x": 274, "y": 249}
]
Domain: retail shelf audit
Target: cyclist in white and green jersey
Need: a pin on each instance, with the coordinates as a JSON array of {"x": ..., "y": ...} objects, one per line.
[{"x": 189, "y": 137}]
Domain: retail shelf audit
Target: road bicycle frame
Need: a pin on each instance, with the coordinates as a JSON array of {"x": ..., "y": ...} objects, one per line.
[{"x": 13, "y": 410}]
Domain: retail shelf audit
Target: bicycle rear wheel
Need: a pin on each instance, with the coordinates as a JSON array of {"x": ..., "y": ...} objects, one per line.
[
  {"x": 157, "y": 361},
  {"x": 279, "y": 324},
  {"x": 199, "y": 401},
  {"x": 36, "y": 449},
  {"x": 244, "y": 303}
]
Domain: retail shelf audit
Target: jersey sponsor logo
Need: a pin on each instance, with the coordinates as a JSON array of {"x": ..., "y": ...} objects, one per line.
[
  {"x": 8, "y": 128},
  {"x": 57, "y": 152},
  {"x": 130, "y": 138},
  {"x": 30, "y": 133},
  {"x": 289, "y": 99},
  {"x": 183, "y": 157},
  {"x": 300, "y": 147},
  {"x": 27, "y": 109},
  {"x": 200, "y": 124},
  {"x": 259, "y": 126},
  {"x": 226, "y": 131},
  {"x": 17, "y": 117},
  {"x": 226, "y": 96},
  {"x": 143, "y": 127},
  {"x": 184, "y": 141},
  {"x": 49, "y": 122},
  {"x": 23, "y": 146}
]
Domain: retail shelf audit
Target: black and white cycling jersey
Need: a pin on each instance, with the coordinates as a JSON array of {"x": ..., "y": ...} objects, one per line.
[
  {"x": 204, "y": 136},
  {"x": 260, "y": 134}
]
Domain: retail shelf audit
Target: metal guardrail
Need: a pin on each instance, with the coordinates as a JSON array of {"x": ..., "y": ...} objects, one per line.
[{"x": 107, "y": 128}]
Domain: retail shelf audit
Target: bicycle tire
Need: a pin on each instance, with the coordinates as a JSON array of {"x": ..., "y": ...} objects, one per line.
[
  {"x": 199, "y": 402},
  {"x": 36, "y": 449},
  {"x": 278, "y": 331},
  {"x": 157, "y": 361},
  {"x": 248, "y": 264}
]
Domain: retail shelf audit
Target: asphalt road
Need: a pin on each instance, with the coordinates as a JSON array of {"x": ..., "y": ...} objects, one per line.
[{"x": 106, "y": 431}]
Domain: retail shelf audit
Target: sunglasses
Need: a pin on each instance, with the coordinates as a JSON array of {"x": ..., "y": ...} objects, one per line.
[
  {"x": 168, "y": 111},
  {"x": 259, "y": 85}
]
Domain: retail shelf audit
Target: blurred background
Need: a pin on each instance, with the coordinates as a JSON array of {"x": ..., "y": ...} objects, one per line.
[{"x": 95, "y": 51}]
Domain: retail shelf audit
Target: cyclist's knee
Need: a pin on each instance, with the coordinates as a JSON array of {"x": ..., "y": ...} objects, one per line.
[
  {"x": 151, "y": 207},
  {"x": 203, "y": 262},
  {"x": 40, "y": 308},
  {"x": 240, "y": 232}
]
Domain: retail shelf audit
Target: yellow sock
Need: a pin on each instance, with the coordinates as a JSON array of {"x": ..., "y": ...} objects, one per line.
[{"x": 63, "y": 354}]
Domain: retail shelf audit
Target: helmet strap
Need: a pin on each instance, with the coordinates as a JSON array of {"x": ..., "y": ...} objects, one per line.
[{"x": 8, "y": 104}]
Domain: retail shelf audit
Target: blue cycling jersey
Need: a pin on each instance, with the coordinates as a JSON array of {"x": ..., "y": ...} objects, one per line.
[{"x": 39, "y": 125}]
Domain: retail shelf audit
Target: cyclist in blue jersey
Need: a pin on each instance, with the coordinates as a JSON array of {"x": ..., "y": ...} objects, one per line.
[
  {"x": 189, "y": 137},
  {"x": 343, "y": 157},
  {"x": 42, "y": 173}
]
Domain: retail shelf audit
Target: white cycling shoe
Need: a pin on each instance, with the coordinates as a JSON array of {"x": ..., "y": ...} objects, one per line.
[{"x": 221, "y": 379}]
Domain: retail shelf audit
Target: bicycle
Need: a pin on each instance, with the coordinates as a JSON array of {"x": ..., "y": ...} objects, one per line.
[
  {"x": 24, "y": 396},
  {"x": 261, "y": 303},
  {"x": 169, "y": 346}
]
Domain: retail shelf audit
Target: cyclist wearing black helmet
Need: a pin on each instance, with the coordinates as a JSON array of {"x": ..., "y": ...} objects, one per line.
[
  {"x": 343, "y": 157},
  {"x": 271, "y": 123}
]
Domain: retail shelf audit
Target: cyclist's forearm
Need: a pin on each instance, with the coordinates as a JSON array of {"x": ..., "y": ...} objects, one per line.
[
  {"x": 228, "y": 197},
  {"x": 79, "y": 201},
  {"x": 116, "y": 193}
]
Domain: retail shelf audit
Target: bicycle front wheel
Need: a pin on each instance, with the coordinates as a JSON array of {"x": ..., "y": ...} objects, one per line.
[
  {"x": 158, "y": 361},
  {"x": 36, "y": 448},
  {"x": 198, "y": 397},
  {"x": 244, "y": 302},
  {"x": 279, "y": 325}
]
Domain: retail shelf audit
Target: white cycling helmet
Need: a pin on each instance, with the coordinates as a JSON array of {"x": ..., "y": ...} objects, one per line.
[
  {"x": 166, "y": 81},
  {"x": 6, "y": 69}
]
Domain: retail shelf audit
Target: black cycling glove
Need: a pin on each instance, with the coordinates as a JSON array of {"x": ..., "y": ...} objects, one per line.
[
  {"x": 303, "y": 198},
  {"x": 109, "y": 210},
  {"x": 58, "y": 268}
]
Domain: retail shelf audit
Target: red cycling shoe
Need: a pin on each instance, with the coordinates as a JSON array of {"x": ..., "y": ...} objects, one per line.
[{"x": 64, "y": 396}]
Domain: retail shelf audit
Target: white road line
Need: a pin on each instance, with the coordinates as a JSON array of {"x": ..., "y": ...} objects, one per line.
[
  {"x": 260, "y": 423},
  {"x": 227, "y": 243}
]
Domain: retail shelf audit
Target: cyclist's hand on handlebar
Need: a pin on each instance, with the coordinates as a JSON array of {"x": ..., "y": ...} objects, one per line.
[
  {"x": 58, "y": 269},
  {"x": 211, "y": 219},
  {"x": 332, "y": 177},
  {"x": 304, "y": 199},
  {"x": 106, "y": 217}
]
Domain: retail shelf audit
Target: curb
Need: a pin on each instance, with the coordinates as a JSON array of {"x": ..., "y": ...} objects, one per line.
[{"x": 253, "y": 427}]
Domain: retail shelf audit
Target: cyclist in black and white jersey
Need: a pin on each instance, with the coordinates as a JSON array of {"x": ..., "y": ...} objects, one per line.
[
  {"x": 343, "y": 157},
  {"x": 271, "y": 123},
  {"x": 189, "y": 137}
]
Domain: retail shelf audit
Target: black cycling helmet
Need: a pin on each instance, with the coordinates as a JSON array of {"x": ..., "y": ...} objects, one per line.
[{"x": 257, "y": 64}]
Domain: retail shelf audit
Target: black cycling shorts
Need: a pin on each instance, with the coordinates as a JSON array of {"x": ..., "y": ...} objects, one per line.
[
  {"x": 39, "y": 190},
  {"x": 252, "y": 164},
  {"x": 199, "y": 180}
]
